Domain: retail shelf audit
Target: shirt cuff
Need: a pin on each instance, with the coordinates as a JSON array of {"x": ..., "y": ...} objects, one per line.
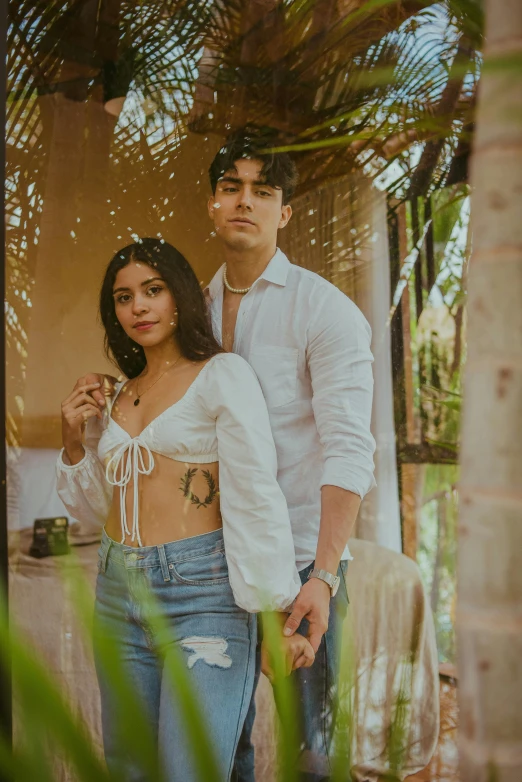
[
  {"x": 64, "y": 464},
  {"x": 341, "y": 472}
]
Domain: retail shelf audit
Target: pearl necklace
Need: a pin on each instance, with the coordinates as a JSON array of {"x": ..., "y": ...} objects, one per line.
[{"x": 229, "y": 287}]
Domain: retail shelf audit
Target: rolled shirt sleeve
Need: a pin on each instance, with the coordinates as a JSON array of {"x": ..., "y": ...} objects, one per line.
[
  {"x": 340, "y": 363},
  {"x": 82, "y": 487},
  {"x": 256, "y": 525}
]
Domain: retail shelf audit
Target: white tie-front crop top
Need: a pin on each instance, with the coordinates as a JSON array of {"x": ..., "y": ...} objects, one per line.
[
  {"x": 222, "y": 417},
  {"x": 180, "y": 433}
]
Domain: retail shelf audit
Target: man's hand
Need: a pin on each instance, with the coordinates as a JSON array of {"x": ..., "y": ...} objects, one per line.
[
  {"x": 297, "y": 652},
  {"x": 107, "y": 383},
  {"x": 312, "y": 603}
]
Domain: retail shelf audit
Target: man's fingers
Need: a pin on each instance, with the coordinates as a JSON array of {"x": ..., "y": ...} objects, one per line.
[
  {"x": 314, "y": 639},
  {"x": 294, "y": 620}
]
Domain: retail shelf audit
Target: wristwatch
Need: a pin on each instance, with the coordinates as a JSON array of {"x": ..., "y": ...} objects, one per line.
[{"x": 332, "y": 581}]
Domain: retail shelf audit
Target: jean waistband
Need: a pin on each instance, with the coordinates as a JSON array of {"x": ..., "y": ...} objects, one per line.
[{"x": 154, "y": 556}]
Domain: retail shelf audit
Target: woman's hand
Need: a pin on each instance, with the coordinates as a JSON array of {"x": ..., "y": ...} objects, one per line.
[
  {"x": 297, "y": 651},
  {"x": 105, "y": 384},
  {"x": 76, "y": 410}
]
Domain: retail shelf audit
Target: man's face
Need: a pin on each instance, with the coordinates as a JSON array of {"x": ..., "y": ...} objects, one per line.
[{"x": 247, "y": 213}]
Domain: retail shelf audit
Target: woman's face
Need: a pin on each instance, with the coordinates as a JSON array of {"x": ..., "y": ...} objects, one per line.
[{"x": 144, "y": 305}]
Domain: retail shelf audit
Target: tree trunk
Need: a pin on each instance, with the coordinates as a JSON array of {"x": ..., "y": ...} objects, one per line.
[{"x": 490, "y": 527}]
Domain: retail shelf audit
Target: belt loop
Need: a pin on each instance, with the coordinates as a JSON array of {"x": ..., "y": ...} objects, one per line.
[
  {"x": 163, "y": 562},
  {"x": 105, "y": 552}
]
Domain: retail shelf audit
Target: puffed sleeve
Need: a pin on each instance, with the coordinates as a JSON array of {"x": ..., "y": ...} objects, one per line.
[
  {"x": 82, "y": 487},
  {"x": 256, "y": 526}
]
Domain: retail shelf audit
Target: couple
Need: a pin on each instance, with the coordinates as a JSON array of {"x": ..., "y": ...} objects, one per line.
[{"x": 227, "y": 470}]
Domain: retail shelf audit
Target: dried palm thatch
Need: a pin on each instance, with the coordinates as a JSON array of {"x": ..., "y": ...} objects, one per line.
[
  {"x": 348, "y": 85},
  {"x": 345, "y": 85}
]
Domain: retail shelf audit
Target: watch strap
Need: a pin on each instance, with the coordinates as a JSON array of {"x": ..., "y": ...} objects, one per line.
[{"x": 328, "y": 578}]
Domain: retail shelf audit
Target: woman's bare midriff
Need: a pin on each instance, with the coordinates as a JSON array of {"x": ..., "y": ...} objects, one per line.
[{"x": 177, "y": 500}]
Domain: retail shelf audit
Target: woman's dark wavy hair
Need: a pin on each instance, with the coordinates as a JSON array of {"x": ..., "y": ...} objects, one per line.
[{"x": 193, "y": 332}]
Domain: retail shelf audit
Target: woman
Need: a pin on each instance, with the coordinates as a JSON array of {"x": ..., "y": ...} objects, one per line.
[{"x": 181, "y": 468}]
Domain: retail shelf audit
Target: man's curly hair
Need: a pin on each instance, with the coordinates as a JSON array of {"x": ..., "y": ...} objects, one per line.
[{"x": 279, "y": 170}]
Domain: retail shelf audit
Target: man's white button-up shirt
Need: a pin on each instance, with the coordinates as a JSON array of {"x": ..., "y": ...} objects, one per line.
[{"x": 309, "y": 345}]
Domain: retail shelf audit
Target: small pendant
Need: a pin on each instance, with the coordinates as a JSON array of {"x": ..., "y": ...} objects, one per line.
[{"x": 136, "y": 402}]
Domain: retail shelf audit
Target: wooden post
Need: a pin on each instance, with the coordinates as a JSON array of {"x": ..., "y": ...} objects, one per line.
[
  {"x": 489, "y": 617},
  {"x": 408, "y": 471}
]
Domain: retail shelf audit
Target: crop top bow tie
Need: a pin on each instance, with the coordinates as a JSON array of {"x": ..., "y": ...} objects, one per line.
[{"x": 128, "y": 462}]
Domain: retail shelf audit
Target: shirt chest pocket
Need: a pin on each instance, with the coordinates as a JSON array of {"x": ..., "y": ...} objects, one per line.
[{"x": 276, "y": 369}]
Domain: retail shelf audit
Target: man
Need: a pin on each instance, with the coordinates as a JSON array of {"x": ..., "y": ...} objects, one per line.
[{"x": 310, "y": 348}]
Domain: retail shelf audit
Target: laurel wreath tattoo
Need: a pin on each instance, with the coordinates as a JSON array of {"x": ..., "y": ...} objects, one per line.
[{"x": 186, "y": 483}]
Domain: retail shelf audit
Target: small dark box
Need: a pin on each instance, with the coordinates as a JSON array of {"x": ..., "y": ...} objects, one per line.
[{"x": 50, "y": 537}]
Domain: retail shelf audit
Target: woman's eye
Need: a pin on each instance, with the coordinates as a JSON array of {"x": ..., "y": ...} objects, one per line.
[
  {"x": 154, "y": 290},
  {"x": 123, "y": 299}
]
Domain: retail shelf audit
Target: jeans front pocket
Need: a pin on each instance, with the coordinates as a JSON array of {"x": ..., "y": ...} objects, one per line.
[{"x": 204, "y": 570}]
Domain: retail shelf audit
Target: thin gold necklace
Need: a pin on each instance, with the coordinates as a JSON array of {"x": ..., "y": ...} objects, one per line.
[{"x": 138, "y": 395}]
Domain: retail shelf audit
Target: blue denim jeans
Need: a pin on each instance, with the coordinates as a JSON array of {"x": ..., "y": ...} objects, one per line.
[
  {"x": 316, "y": 691},
  {"x": 188, "y": 580}
]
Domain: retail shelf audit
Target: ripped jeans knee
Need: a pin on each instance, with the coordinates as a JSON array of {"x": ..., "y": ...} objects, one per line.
[{"x": 212, "y": 651}]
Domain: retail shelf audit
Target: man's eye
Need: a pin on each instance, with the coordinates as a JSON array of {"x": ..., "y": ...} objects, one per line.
[
  {"x": 264, "y": 192},
  {"x": 230, "y": 189}
]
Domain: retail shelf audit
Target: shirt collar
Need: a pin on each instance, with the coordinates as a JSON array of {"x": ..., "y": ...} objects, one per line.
[{"x": 276, "y": 272}]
